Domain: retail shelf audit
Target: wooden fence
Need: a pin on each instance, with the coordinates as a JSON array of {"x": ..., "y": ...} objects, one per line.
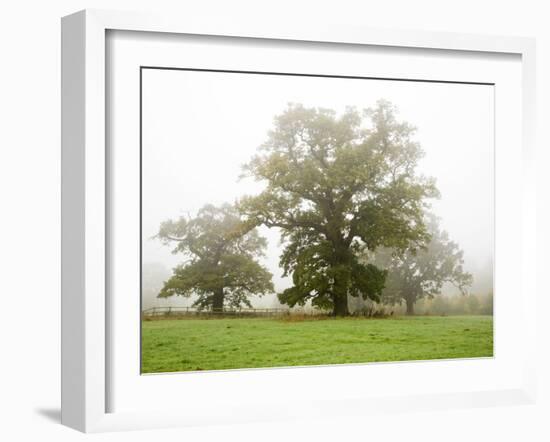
[{"x": 193, "y": 311}]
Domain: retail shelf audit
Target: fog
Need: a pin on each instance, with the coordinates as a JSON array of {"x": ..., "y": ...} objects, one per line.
[{"x": 199, "y": 128}]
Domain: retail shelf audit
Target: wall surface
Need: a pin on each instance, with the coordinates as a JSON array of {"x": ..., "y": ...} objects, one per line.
[{"x": 30, "y": 215}]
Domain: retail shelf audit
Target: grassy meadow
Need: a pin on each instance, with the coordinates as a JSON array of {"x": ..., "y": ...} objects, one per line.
[{"x": 170, "y": 345}]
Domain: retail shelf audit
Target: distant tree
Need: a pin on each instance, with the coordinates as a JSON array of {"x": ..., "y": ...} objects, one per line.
[
  {"x": 473, "y": 305},
  {"x": 421, "y": 273},
  {"x": 335, "y": 186},
  {"x": 487, "y": 308},
  {"x": 153, "y": 275},
  {"x": 221, "y": 268}
]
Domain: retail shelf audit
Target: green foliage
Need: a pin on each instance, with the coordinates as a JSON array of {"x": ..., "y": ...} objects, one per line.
[
  {"x": 221, "y": 268},
  {"x": 336, "y": 186},
  {"x": 421, "y": 273},
  {"x": 218, "y": 344}
]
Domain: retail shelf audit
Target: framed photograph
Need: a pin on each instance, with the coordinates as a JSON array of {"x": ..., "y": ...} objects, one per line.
[{"x": 262, "y": 222}]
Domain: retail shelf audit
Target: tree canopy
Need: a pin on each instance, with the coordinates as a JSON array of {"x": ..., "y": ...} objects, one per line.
[
  {"x": 221, "y": 266},
  {"x": 337, "y": 185},
  {"x": 417, "y": 274}
]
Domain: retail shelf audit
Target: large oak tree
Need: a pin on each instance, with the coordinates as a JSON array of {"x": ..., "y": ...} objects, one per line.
[
  {"x": 335, "y": 186},
  {"x": 221, "y": 266}
]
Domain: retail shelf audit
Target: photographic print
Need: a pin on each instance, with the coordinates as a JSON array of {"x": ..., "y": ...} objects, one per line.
[{"x": 298, "y": 220}]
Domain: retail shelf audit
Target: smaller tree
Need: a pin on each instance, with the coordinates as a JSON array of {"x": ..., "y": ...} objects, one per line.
[
  {"x": 221, "y": 251},
  {"x": 487, "y": 308},
  {"x": 421, "y": 273}
]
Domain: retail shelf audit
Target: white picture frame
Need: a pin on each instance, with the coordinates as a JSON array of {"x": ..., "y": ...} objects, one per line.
[{"x": 85, "y": 211}]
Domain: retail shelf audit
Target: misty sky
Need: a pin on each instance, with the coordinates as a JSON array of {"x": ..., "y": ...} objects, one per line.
[{"x": 199, "y": 128}]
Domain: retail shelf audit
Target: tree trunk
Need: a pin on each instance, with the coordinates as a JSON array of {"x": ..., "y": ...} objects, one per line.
[
  {"x": 340, "y": 288},
  {"x": 217, "y": 300},
  {"x": 410, "y": 307},
  {"x": 340, "y": 306}
]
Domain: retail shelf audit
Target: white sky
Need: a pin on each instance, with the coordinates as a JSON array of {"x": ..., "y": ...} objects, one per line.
[{"x": 199, "y": 128}]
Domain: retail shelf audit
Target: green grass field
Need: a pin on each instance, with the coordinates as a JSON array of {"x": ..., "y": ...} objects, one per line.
[{"x": 214, "y": 344}]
